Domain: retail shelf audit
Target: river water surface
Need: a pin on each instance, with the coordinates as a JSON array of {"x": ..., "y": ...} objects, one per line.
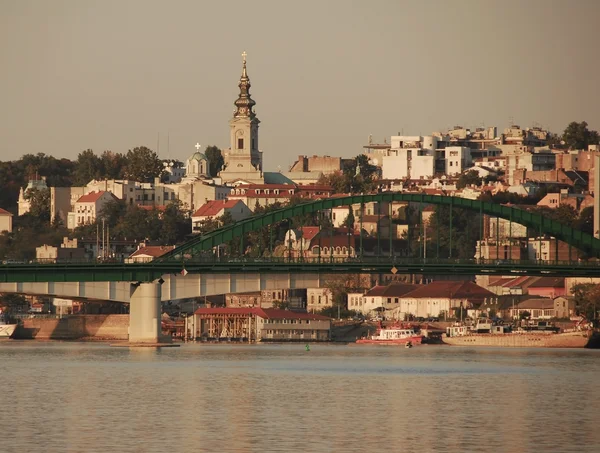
[{"x": 82, "y": 397}]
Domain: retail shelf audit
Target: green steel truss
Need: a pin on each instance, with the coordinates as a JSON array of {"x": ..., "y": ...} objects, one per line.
[{"x": 571, "y": 236}]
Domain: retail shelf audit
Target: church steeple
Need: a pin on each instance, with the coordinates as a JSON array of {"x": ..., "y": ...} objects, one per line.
[{"x": 244, "y": 102}]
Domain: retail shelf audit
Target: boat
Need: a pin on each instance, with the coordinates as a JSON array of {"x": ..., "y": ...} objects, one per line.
[
  {"x": 393, "y": 336},
  {"x": 543, "y": 335},
  {"x": 7, "y": 330}
]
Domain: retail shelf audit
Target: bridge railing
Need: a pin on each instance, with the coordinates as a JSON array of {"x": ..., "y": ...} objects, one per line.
[{"x": 392, "y": 260}]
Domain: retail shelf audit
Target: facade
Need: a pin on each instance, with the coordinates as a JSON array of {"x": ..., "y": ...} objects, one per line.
[
  {"x": 543, "y": 249},
  {"x": 257, "y": 324},
  {"x": 380, "y": 299},
  {"x": 5, "y": 221},
  {"x": 458, "y": 158},
  {"x": 325, "y": 165},
  {"x": 217, "y": 208},
  {"x": 262, "y": 195},
  {"x": 243, "y": 160},
  {"x": 68, "y": 251},
  {"x": 544, "y": 308},
  {"x": 174, "y": 171},
  {"x": 298, "y": 240},
  {"x": 337, "y": 247},
  {"x": 87, "y": 208},
  {"x": 442, "y": 298},
  {"x": 317, "y": 299}
]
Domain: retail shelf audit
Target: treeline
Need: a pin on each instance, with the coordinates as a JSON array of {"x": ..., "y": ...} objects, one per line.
[{"x": 138, "y": 164}]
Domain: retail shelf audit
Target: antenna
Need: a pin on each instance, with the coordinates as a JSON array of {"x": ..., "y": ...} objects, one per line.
[
  {"x": 158, "y": 144},
  {"x": 168, "y": 145}
]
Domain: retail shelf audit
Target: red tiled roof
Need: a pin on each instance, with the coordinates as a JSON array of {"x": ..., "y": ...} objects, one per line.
[
  {"x": 453, "y": 289},
  {"x": 213, "y": 207},
  {"x": 376, "y": 291},
  {"x": 153, "y": 250},
  {"x": 265, "y": 313},
  {"x": 392, "y": 290},
  {"x": 309, "y": 232},
  {"x": 4, "y": 212},
  {"x": 549, "y": 282},
  {"x": 92, "y": 197},
  {"x": 536, "y": 303},
  {"x": 266, "y": 186},
  {"x": 335, "y": 241}
]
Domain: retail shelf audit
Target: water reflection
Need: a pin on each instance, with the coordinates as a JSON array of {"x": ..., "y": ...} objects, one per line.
[{"x": 93, "y": 398}]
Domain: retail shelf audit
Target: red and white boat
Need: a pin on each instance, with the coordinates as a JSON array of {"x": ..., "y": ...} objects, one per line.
[{"x": 393, "y": 336}]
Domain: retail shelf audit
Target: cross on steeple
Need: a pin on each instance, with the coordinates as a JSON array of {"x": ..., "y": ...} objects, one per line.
[
  {"x": 244, "y": 55},
  {"x": 198, "y": 146}
]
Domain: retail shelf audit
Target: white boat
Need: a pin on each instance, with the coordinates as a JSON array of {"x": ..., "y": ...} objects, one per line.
[
  {"x": 393, "y": 336},
  {"x": 7, "y": 330}
]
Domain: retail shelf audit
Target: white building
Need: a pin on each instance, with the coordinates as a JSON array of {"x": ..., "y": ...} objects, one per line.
[
  {"x": 87, "y": 208},
  {"x": 458, "y": 158},
  {"x": 317, "y": 299},
  {"x": 217, "y": 208},
  {"x": 5, "y": 221}
]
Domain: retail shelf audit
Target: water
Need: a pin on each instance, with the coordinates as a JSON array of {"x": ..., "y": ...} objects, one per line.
[{"x": 80, "y": 397}]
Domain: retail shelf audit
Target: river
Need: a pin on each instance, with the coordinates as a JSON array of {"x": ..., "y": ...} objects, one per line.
[{"x": 88, "y": 397}]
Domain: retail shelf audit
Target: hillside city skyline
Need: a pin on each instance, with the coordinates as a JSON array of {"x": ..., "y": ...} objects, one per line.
[{"x": 323, "y": 94}]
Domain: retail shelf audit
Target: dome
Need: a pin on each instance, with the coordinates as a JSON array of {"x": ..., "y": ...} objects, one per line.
[{"x": 198, "y": 156}]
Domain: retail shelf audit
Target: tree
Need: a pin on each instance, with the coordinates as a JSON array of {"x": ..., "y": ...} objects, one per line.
[
  {"x": 587, "y": 299},
  {"x": 143, "y": 164},
  {"x": 112, "y": 165},
  {"x": 39, "y": 203},
  {"x": 578, "y": 136},
  {"x": 87, "y": 168},
  {"x": 349, "y": 221},
  {"x": 585, "y": 221},
  {"x": 175, "y": 224},
  {"x": 215, "y": 160},
  {"x": 468, "y": 178},
  {"x": 113, "y": 212}
]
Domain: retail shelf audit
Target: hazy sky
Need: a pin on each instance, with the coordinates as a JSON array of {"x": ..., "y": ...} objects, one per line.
[{"x": 78, "y": 74}]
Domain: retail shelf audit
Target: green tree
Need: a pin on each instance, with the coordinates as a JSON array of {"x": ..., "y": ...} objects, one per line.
[
  {"x": 215, "y": 160},
  {"x": 587, "y": 300},
  {"x": 87, "y": 168},
  {"x": 349, "y": 221},
  {"x": 578, "y": 136},
  {"x": 175, "y": 224},
  {"x": 39, "y": 203},
  {"x": 113, "y": 212},
  {"x": 112, "y": 165},
  {"x": 468, "y": 178},
  {"x": 585, "y": 221},
  {"x": 142, "y": 165}
]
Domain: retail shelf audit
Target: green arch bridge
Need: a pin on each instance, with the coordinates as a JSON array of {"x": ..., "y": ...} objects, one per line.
[{"x": 192, "y": 257}]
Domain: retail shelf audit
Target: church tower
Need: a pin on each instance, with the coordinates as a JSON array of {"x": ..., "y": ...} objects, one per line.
[{"x": 243, "y": 159}]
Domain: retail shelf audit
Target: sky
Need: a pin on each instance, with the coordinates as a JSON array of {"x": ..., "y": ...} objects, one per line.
[{"x": 325, "y": 74}]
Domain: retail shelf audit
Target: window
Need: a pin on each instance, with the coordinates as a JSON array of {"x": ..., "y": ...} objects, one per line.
[{"x": 240, "y": 143}]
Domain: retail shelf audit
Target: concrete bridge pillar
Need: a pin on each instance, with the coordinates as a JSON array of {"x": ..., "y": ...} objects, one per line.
[{"x": 144, "y": 313}]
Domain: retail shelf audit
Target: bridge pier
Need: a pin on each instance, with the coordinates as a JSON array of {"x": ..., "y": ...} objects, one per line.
[{"x": 144, "y": 313}]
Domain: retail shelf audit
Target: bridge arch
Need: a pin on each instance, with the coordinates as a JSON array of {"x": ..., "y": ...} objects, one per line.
[{"x": 571, "y": 236}]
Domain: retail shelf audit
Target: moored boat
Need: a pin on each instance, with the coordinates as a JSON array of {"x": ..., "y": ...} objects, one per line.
[
  {"x": 521, "y": 338},
  {"x": 7, "y": 330},
  {"x": 393, "y": 336}
]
